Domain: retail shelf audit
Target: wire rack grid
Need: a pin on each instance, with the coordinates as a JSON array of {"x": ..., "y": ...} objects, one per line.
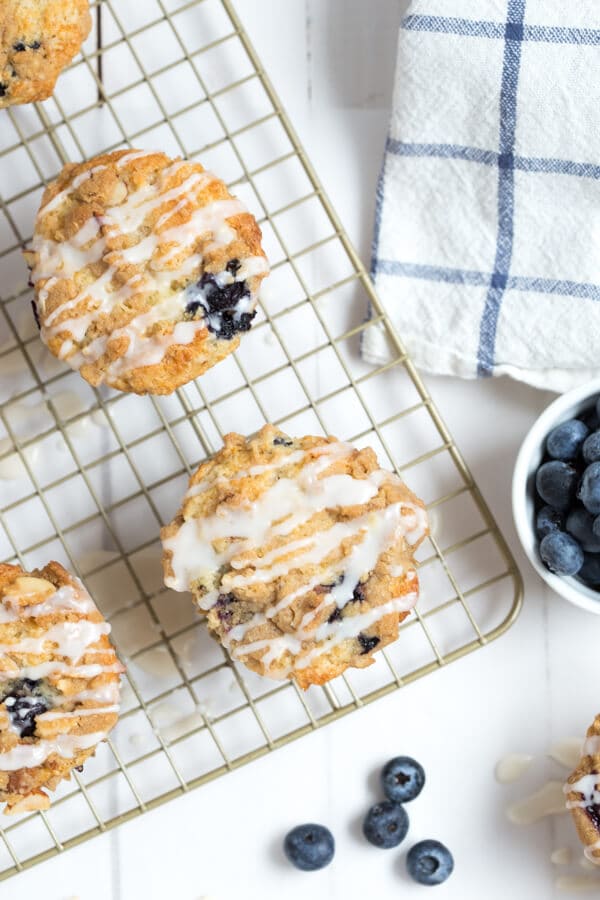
[{"x": 87, "y": 477}]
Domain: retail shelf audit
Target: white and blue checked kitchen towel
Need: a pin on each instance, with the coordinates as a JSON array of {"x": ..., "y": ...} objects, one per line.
[{"x": 487, "y": 243}]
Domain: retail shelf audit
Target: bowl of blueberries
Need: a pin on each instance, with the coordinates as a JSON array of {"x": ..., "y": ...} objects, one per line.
[{"x": 556, "y": 496}]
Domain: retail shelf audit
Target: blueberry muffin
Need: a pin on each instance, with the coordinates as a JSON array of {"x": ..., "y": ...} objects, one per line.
[
  {"x": 300, "y": 552},
  {"x": 583, "y": 794},
  {"x": 146, "y": 270},
  {"x": 59, "y": 682},
  {"x": 38, "y": 38}
]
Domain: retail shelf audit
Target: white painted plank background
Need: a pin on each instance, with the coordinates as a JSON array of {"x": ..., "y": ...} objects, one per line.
[{"x": 332, "y": 62}]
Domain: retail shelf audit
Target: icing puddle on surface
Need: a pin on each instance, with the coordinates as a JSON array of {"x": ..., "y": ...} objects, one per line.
[
  {"x": 567, "y": 752},
  {"x": 549, "y": 800},
  {"x": 562, "y": 856},
  {"x": 512, "y": 767},
  {"x": 578, "y": 883}
]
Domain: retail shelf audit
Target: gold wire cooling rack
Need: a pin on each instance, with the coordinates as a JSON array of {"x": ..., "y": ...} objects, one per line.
[{"x": 87, "y": 477}]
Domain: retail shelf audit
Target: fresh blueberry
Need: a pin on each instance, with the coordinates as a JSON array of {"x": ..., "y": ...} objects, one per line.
[
  {"x": 24, "y": 701},
  {"x": 367, "y": 642},
  {"x": 556, "y": 483},
  {"x": 402, "y": 779},
  {"x": 561, "y": 553},
  {"x": 589, "y": 488},
  {"x": 597, "y": 408},
  {"x": 429, "y": 862},
  {"x": 590, "y": 570},
  {"x": 548, "y": 520},
  {"x": 580, "y": 524},
  {"x": 386, "y": 824},
  {"x": 591, "y": 419},
  {"x": 596, "y": 526},
  {"x": 591, "y": 447},
  {"x": 564, "y": 441},
  {"x": 309, "y": 847}
]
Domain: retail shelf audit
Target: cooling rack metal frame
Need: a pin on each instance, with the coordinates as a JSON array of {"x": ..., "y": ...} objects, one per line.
[{"x": 118, "y": 775}]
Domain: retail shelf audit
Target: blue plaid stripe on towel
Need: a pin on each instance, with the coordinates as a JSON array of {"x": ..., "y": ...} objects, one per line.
[{"x": 487, "y": 242}]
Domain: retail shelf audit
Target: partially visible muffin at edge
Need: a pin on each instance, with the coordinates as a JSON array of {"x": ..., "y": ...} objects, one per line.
[
  {"x": 59, "y": 682},
  {"x": 583, "y": 793},
  {"x": 299, "y": 551},
  {"x": 146, "y": 270},
  {"x": 38, "y": 39}
]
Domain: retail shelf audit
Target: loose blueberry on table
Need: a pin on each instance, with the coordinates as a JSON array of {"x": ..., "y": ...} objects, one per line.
[
  {"x": 429, "y": 863},
  {"x": 402, "y": 779},
  {"x": 386, "y": 824},
  {"x": 309, "y": 847},
  {"x": 568, "y": 499}
]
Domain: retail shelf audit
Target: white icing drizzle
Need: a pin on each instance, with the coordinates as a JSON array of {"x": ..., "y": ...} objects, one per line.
[
  {"x": 63, "y": 195},
  {"x": 206, "y": 484},
  {"x": 65, "y": 600},
  {"x": 26, "y": 756},
  {"x": 333, "y": 633},
  {"x": 85, "y": 711},
  {"x": 586, "y": 785},
  {"x": 42, "y": 670},
  {"x": 71, "y": 639},
  {"x": 288, "y": 503},
  {"x": 136, "y": 154},
  {"x": 61, "y": 260}
]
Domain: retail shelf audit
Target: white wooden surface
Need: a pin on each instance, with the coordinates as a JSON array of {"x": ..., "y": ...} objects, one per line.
[{"x": 332, "y": 62}]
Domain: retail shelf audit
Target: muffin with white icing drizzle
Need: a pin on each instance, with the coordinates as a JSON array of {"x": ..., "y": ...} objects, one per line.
[
  {"x": 583, "y": 793},
  {"x": 146, "y": 270},
  {"x": 59, "y": 682},
  {"x": 38, "y": 38},
  {"x": 300, "y": 552}
]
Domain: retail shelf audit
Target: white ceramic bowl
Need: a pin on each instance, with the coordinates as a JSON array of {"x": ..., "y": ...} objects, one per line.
[{"x": 567, "y": 406}]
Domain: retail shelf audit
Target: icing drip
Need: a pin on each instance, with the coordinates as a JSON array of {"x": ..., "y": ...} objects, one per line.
[
  {"x": 160, "y": 250},
  {"x": 198, "y": 550},
  {"x": 548, "y": 801},
  {"x": 566, "y": 751}
]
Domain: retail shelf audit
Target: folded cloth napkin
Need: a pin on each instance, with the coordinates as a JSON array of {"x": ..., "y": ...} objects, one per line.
[{"x": 487, "y": 241}]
